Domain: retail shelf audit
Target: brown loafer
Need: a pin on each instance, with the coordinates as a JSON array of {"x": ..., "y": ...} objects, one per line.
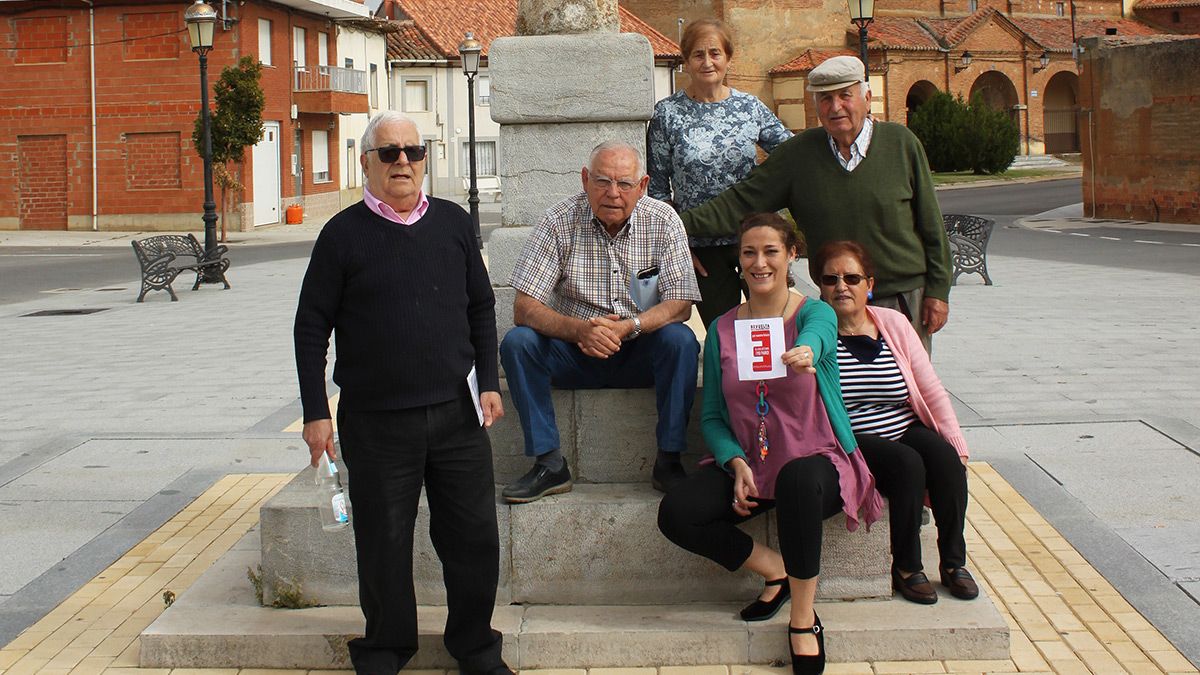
[
  {"x": 916, "y": 588},
  {"x": 961, "y": 583}
]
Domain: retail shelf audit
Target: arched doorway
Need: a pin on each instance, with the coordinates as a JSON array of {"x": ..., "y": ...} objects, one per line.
[
  {"x": 920, "y": 92},
  {"x": 997, "y": 91},
  {"x": 1060, "y": 113}
]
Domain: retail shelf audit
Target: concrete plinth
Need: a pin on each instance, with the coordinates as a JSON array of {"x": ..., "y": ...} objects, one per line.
[
  {"x": 217, "y": 624},
  {"x": 541, "y": 163},
  {"x": 598, "y": 545}
]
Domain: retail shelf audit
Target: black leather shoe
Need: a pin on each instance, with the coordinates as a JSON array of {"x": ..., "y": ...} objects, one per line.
[
  {"x": 916, "y": 588},
  {"x": 539, "y": 482},
  {"x": 960, "y": 582},
  {"x": 813, "y": 664},
  {"x": 666, "y": 475},
  {"x": 761, "y": 610}
]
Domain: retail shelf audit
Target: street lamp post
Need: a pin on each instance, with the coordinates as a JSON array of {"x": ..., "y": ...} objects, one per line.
[
  {"x": 469, "y": 50},
  {"x": 201, "y": 19},
  {"x": 862, "y": 13}
]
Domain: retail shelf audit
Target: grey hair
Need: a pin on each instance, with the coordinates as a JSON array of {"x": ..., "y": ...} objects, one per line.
[
  {"x": 607, "y": 146},
  {"x": 367, "y": 142},
  {"x": 865, "y": 89}
]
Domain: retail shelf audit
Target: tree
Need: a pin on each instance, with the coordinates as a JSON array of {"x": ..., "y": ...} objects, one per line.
[
  {"x": 995, "y": 137},
  {"x": 236, "y": 123},
  {"x": 959, "y": 136}
]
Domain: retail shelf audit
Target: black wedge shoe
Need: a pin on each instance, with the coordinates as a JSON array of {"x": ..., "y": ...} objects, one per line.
[
  {"x": 761, "y": 610},
  {"x": 808, "y": 665}
]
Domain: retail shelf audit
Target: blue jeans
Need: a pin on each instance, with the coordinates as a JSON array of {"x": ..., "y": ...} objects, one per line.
[{"x": 664, "y": 359}]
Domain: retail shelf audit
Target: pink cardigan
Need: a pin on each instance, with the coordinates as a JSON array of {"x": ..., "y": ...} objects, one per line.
[{"x": 926, "y": 394}]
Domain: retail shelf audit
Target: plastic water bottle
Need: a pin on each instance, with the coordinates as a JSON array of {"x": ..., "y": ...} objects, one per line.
[{"x": 331, "y": 498}]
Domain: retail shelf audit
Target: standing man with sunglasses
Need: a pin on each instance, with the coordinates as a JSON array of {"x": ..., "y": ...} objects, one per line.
[
  {"x": 603, "y": 285},
  {"x": 856, "y": 179},
  {"x": 400, "y": 281}
]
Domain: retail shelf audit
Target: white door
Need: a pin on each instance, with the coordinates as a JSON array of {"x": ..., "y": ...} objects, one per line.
[{"x": 266, "y": 176}]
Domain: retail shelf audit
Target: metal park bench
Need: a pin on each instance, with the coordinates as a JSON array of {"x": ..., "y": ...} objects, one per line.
[
  {"x": 166, "y": 256},
  {"x": 968, "y": 237}
]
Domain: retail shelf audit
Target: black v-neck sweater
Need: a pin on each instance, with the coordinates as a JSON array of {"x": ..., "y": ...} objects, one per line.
[{"x": 411, "y": 309}]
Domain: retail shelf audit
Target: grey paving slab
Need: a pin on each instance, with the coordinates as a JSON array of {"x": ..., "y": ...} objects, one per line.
[{"x": 39, "y": 534}]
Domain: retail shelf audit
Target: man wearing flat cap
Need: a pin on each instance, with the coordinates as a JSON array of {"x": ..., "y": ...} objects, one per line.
[{"x": 853, "y": 178}]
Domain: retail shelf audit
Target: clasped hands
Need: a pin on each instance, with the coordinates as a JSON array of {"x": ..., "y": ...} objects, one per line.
[{"x": 600, "y": 336}]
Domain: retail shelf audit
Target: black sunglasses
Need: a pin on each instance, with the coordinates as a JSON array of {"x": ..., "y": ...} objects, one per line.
[
  {"x": 388, "y": 154},
  {"x": 850, "y": 279}
]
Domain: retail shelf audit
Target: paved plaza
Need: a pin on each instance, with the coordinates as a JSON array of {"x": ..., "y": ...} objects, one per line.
[{"x": 139, "y": 440}]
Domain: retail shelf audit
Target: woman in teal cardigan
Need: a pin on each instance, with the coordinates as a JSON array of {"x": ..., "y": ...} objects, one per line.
[{"x": 782, "y": 443}]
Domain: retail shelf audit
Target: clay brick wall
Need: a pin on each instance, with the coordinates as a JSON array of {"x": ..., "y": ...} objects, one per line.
[
  {"x": 147, "y": 99},
  {"x": 1185, "y": 20},
  {"x": 1139, "y": 156},
  {"x": 43, "y": 182}
]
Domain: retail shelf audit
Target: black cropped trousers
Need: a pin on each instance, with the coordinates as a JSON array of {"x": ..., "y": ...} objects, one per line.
[{"x": 697, "y": 515}]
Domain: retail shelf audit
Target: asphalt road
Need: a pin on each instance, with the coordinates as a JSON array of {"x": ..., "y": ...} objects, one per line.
[
  {"x": 1142, "y": 248},
  {"x": 26, "y": 272}
]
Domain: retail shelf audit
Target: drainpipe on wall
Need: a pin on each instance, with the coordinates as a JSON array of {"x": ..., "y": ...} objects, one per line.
[{"x": 92, "y": 66}]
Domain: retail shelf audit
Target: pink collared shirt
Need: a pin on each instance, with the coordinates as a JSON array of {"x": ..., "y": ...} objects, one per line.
[{"x": 383, "y": 210}]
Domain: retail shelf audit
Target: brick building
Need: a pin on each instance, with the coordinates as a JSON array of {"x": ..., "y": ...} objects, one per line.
[
  {"x": 1140, "y": 155},
  {"x": 1018, "y": 54},
  {"x": 98, "y": 102}
]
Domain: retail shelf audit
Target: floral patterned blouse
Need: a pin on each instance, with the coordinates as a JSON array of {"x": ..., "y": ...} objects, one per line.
[{"x": 695, "y": 150}]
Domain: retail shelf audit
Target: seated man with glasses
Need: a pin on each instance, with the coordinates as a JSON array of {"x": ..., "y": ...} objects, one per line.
[{"x": 603, "y": 285}]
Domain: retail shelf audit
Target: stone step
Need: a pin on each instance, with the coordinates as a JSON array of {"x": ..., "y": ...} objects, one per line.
[
  {"x": 596, "y": 545},
  {"x": 217, "y": 623}
]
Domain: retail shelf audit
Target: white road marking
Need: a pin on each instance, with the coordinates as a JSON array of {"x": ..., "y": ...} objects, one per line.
[
  {"x": 1112, "y": 238},
  {"x": 50, "y": 255},
  {"x": 1079, "y": 234},
  {"x": 1145, "y": 241}
]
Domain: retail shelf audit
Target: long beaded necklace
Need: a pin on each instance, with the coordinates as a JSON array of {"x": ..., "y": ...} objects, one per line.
[{"x": 763, "y": 407}]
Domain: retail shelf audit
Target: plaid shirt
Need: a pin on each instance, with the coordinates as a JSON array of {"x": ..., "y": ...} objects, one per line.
[{"x": 572, "y": 265}]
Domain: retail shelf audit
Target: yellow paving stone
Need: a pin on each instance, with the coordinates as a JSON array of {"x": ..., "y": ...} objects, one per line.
[
  {"x": 618, "y": 671},
  {"x": 69, "y": 657},
  {"x": 92, "y": 665},
  {"x": 667, "y": 670},
  {"x": 1171, "y": 661},
  {"x": 855, "y": 668},
  {"x": 26, "y": 666},
  {"x": 227, "y": 671},
  {"x": 273, "y": 671},
  {"x": 1151, "y": 641},
  {"x": 566, "y": 671},
  {"x": 11, "y": 656},
  {"x": 1025, "y": 655},
  {"x": 1072, "y": 666},
  {"x": 137, "y": 671},
  {"x": 909, "y": 667},
  {"x": 113, "y": 646},
  {"x": 998, "y": 666},
  {"x": 129, "y": 657},
  {"x": 311, "y": 672},
  {"x": 28, "y": 639},
  {"x": 1082, "y": 641},
  {"x": 1054, "y": 650},
  {"x": 1100, "y": 661}
]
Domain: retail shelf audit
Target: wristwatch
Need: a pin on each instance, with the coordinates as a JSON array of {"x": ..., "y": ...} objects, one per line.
[{"x": 637, "y": 329}]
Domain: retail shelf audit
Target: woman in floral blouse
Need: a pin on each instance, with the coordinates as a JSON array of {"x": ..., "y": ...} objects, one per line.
[{"x": 701, "y": 140}]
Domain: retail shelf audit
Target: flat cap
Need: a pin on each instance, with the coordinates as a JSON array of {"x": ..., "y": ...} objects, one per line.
[{"x": 837, "y": 72}]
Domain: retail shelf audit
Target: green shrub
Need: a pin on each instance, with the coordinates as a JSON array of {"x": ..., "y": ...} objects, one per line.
[
  {"x": 958, "y": 136},
  {"x": 994, "y": 137}
]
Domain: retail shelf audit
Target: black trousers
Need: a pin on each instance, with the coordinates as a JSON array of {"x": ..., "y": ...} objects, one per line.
[
  {"x": 920, "y": 460},
  {"x": 389, "y": 455},
  {"x": 722, "y": 289},
  {"x": 697, "y": 515}
]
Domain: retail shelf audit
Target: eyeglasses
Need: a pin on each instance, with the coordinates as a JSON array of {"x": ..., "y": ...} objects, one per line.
[
  {"x": 605, "y": 183},
  {"x": 850, "y": 279},
  {"x": 388, "y": 154}
]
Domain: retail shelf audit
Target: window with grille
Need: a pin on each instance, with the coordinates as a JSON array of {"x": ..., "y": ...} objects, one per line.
[
  {"x": 320, "y": 156},
  {"x": 485, "y": 158}
]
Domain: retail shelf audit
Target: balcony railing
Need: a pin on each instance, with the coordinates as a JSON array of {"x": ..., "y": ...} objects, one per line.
[{"x": 330, "y": 78}]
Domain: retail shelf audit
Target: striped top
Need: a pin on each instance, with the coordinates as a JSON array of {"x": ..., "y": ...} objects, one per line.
[{"x": 873, "y": 388}]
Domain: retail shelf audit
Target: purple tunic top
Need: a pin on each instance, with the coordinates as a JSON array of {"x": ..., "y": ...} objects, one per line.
[{"x": 797, "y": 426}]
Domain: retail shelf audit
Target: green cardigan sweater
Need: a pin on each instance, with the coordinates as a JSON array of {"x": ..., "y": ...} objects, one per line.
[
  {"x": 816, "y": 328},
  {"x": 887, "y": 204}
]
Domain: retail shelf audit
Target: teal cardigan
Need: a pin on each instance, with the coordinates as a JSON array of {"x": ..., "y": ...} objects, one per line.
[{"x": 816, "y": 327}]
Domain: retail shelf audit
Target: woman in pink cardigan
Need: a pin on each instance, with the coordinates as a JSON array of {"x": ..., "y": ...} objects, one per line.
[{"x": 903, "y": 421}]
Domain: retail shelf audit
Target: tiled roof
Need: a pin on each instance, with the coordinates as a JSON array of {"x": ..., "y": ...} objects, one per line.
[
  {"x": 410, "y": 44},
  {"x": 811, "y": 58},
  {"x": 950, "y": 32},
  {"x": 1165, "y": 4},
  {"x": 897, "y": 32},
  {"x": 1055, "y": 34},
  {"x": 445, "y": 22}
]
